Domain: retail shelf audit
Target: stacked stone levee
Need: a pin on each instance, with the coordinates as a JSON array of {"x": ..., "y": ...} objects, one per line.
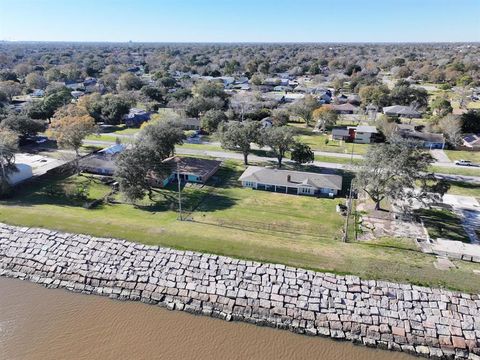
[{"x": 428, "y": 322}]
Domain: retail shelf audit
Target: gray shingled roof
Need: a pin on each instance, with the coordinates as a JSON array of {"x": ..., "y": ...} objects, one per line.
[
  {"x": 400, "y": 110},
  {"x": 191, "y": 165},
  {"x": 291, "y": 178}
]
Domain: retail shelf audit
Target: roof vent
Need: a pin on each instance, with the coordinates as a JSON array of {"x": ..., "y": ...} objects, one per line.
[{"x": 289, "y": 178}]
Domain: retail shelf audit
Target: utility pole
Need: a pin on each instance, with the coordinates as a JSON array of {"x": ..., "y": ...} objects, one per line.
[
  {"x": 179, "y": 192},
  {"x": 349, "y": 201}
]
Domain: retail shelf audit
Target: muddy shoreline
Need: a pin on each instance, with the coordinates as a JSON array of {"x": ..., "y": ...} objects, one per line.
[{"x": 428, "y": 322}]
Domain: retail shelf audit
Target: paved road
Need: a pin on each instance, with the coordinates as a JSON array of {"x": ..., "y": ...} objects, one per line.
[
  {"x": 216, "y": 143},
  {"x": 237, "y": 156},
  {"x": 441, "y": 158}
]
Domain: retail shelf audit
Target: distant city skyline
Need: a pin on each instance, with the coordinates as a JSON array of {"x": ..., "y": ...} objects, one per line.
[{"x": 241, "y": 21}]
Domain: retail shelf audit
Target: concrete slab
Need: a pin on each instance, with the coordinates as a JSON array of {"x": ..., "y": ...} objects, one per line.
[
  {"x": 440, "y": 156},
  {"x": 461, "y": 202},
  {"x": 456, "y": 249},
  {"x": 443, "y": 263}
]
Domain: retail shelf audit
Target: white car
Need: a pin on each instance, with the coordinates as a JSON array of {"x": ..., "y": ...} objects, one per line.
[{"x": 463, "y": 163}]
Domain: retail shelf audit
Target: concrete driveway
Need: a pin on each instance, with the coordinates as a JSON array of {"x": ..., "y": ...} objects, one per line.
[{"x": 440, "y": 156}]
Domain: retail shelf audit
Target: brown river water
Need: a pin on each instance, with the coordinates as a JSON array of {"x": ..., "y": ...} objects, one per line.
[{"x": 39, "y": 323}]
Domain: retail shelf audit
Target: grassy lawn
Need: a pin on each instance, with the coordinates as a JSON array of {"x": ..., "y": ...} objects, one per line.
[
  {"x": 321, "y": 142},
  {"x": 458, "y": 170},
  {"x": 464, "y": 188},
  {"x": 201, "y": 147},
  {"x": 337, "y": 160},
  {"x": 229, "y": 220},
  {"x": 443, "y": 224},
  {"x": 473, "y": 156},
  {"x": 318, "y": 142},
  {"x": 126, "y": 131},
  {"x": 108, "y": 138}
]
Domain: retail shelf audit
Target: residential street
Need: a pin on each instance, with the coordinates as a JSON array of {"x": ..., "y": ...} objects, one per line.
[
  {"x": 441, "y": 158},
  {"x": 238, "y": 156}
]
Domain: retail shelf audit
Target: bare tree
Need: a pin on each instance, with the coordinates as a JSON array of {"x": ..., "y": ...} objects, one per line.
[{"x": 451, "y": 127}]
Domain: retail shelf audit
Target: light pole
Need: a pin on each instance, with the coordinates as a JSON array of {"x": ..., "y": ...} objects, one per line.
[{"x": 179, "y": 193}]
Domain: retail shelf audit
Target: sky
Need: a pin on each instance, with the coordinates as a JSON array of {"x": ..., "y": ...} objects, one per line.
[{"x": 240, "y": 20}]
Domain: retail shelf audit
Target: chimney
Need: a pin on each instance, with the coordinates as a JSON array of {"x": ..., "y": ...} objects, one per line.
[{"x": 289, "y": 178}]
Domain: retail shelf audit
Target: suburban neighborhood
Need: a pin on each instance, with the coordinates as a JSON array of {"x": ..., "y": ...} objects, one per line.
[
  {"x": 339, "y": 125},
  {"x": 330, "y": 189}
]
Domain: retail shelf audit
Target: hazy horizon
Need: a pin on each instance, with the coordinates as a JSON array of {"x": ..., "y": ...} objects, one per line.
[{"x": 241, "y": 42}]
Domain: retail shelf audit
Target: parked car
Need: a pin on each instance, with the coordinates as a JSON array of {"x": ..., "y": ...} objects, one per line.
[{"x": 463, "y": 163}]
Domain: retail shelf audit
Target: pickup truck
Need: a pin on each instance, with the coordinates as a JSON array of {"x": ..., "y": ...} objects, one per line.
[{"x": 463, "y": 163}]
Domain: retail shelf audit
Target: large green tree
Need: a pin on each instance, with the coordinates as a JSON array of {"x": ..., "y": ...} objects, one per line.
[
  {"x": 211, "y": 119},
  {"x": 304, "y": 109},
  {"x": 378, "y": 95},
  {"x": 109, "y": 109},
  {"x": 132, "y": 168},
  {"x": 155, "y": 143},
  {"x": 71, "y": 125},
  {"x": 404, "y": 94},
  {"x": 22, "y": 125},
  {"x": 398, "y": 171},
  {"x": 8, "y": 147},
  {"x": 471, "y": 122},
  {"x": 441, "y": 106},
  {"x": 46, "y": 108},
  {"x": 325, "y": 116},
  {"x": 279, "y": 140},
  {"x": 239, "y": 136},
  {"x": 128, "y": 81},
  {"x": 302, "y": 153},
  {"x": 162, "y": 136}
]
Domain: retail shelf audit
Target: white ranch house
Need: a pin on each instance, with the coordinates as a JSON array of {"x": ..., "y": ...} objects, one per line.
[{"x": 291, "y": 182}]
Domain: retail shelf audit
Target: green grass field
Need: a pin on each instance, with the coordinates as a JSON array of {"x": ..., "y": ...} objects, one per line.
[
  {"x": 457, "y": 170},
  {"x": 201, "y": 147},
  {"x": 473, "y": 156},
  {"x": 464, "y": 189},
  {"x": 126, "y": 131},
  {"x": 229, "y": 220},
  {"x": 337, "y": 160},
  {"x": 106, "y": 138}
]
